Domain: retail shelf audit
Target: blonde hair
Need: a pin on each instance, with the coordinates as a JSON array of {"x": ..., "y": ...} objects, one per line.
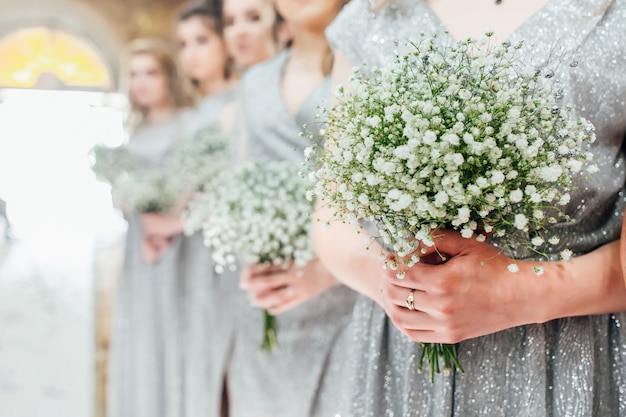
[{"x": 178, "y": 88}]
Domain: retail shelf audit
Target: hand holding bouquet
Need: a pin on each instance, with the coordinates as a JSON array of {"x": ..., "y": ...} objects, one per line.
[
  {"x": 259, "y": 211},
  {"x": 462, "y": 137}
]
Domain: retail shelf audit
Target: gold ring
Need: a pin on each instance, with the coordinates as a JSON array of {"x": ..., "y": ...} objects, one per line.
[{"x": 409, "y": 301}]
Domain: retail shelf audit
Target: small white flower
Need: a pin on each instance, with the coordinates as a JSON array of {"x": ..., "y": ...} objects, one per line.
[
  {"x": 574, "y": 165},
  {"x": 467, "y": 233},
  {"x": 374, "y": 121},
  {"x": 441, "y": 198},
  {"x": 520, "y": 221},
  {"x": 538, "y": 270},
  {"x": 550, "y": 173},
  {"x": 497, "y": 177},
  {"x": 554, "y": 240},
  {"x": 566, "y": 254},
  {"x": 430, "y": 137},
  {"x": 463, "y": 215},
  {"x": 516, "y": 196},
  {"x": 482, "y": 182},
  {"x": 513, "y": 268},
  {"x": 537, "y": 241}
]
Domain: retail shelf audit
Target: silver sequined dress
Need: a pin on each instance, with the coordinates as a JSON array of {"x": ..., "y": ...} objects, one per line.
[
  {"x": 302, "y": 377},
  {"x": 568, "y": 367},
  {"x": 145, "y": 372},
  {"x": 208, "y": 323}
]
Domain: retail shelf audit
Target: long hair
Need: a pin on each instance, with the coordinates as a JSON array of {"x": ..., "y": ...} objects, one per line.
[{"x": 177, "y": 87}]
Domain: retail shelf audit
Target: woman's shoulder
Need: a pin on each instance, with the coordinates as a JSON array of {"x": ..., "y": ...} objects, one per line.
[
  {"x": 346, "y": 32},
  {"x": 369, "y": 36}
]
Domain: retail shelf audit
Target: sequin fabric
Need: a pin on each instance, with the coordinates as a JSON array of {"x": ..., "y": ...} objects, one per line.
[
  {"x": 302, "y": 377},
  {"x": 568, "y": 367}
]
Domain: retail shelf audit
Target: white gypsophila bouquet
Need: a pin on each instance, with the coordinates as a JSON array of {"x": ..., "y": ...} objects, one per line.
[
  {"x": 194, "y": 162},
  {"x": 260, "y": 212},
  {"x": 145, "y": 190},
  {"x": 109, "y": 163},
  {"x": 463, "y": 137}
]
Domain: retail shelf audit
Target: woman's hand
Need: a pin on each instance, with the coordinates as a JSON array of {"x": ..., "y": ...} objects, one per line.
[
  {"x": 277, "y": 289},
  {"x": 161, "y": 225},
  {"x": 159, "y": 232},
  {"x": 471, "y": 294},
  {"x": 153, "y": 247}
]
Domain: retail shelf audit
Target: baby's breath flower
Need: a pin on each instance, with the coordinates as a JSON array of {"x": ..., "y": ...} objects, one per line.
[
  {"x": 521, "y": 221},
  {"x": 258, "y": 211},
  {"x": 554, "y": 240},
  {"x": 513, "y": 268},
  {"x": 537, "y": 241}
]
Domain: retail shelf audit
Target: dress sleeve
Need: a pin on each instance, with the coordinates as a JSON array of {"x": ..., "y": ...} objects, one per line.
[{"x": 349, "y": 30}]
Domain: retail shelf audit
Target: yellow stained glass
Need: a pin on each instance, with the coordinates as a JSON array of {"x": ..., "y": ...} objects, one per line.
[{"x": 29, "y": 57}]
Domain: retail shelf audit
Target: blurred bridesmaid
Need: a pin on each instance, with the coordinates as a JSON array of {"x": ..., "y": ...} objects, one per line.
[
  {"x": 301, "y": 378},
  {"x": 208, "y": 324},
  {"x": 253, "y": 31},
  {"x": 145, "y": 370}
]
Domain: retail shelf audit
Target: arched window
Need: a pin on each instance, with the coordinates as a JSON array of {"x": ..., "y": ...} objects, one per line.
[{"x": 40, "y": 57}]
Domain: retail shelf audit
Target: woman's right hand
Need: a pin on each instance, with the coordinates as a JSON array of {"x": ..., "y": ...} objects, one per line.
[
  {"x": 153, "y": 247},
  {"x": 278, "y": 289}
]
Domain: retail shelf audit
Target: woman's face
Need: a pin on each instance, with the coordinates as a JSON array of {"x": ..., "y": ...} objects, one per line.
[
  {"x": 201, "y": 50},
  {"x": 312, "y": 14},
  {"x": 148, "y": 84},
  {"x": 249, "y": 31}
]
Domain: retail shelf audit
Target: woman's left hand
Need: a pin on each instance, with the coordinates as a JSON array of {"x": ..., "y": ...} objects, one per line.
[
  {"x": 277, "y": 289},
  {"x": 471, "y": 294}
]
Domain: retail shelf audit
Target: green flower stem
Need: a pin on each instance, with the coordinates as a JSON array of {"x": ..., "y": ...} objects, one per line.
[
  {"x": 433, "y": 352},
  {"x": 270, "y": 342}
]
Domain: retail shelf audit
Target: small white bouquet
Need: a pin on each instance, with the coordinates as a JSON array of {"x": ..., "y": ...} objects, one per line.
[
  {"x": 194, "y": 162},
  {"x": 145, "y": 190},
  {"x": 463, "y": 137},
  {"x": 260, "y": 212},
  {"x": 108, "y": 163}
]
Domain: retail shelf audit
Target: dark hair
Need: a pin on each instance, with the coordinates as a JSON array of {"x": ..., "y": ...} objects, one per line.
[{"x": 211, "y": 13}]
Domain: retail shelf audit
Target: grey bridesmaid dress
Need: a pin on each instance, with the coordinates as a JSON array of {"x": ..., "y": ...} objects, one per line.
[
  {"x": 145, "y": 373},
  {"x": 301, "y": 378},
  {"x": 567, "y": 367},
  {"x": 208, "y": 320}
]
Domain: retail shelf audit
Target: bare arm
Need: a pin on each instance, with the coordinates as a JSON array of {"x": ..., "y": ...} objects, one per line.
[{"x": 341, "y": 247}]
